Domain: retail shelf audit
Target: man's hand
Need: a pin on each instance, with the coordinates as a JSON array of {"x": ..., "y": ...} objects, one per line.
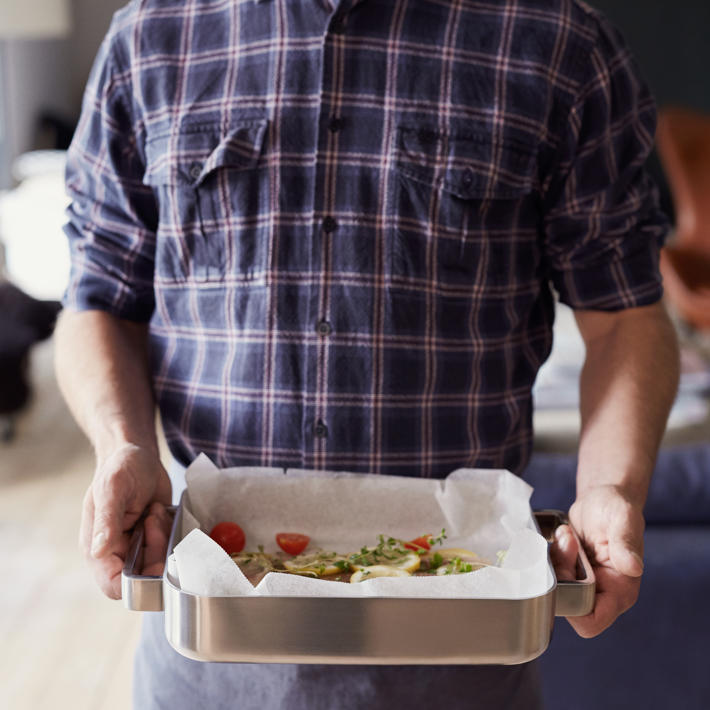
[
  {"x": 611, "y": 529},
  {"x": 627, "y": 387},
  {"x": 125, "y": 483},
  {"x": 103, "y": 372}
]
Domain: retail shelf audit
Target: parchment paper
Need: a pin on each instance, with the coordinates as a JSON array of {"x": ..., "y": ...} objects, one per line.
[{"x": 483, "y": 510}]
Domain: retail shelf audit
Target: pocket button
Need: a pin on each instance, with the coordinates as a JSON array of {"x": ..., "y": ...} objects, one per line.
[{"x": 195, "y": 171}]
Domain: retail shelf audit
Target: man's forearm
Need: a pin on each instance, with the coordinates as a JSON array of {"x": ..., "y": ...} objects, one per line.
[
  {"x": 628, "y": 385},
  {"x": 102, "y": 369}
]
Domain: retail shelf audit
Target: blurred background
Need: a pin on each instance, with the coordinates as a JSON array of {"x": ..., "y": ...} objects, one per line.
[{"x": 64, "y": 644}]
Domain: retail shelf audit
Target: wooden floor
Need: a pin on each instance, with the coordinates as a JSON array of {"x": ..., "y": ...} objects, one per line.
[{"x": 63, "y": 644}]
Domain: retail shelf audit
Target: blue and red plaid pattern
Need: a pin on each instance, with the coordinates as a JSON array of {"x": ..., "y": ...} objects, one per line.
[{"x": 344, "y": 221}]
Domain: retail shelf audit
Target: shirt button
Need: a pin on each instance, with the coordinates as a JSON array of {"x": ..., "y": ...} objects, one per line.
[
  {"x": 329, "y": 224},
  {"x": 195, "y": 171},
  {"x": 335, "y": 124},
  {"x": 320, "y": 429},
  {"x": 324, "y": 327},
  {"x": 467, "y": 177}
]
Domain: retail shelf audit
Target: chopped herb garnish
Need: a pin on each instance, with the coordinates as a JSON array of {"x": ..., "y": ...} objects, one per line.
[{"x": 439, "y": 539}]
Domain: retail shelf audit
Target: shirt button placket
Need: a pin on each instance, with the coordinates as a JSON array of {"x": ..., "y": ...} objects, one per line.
[
  {"x": 324, "y": 328},
  {"x": 320, "y": 430},
  {"x": 329, "y": 224},
  {"x": 337, "y": 24},
  {"x": 334, "y": 124}
]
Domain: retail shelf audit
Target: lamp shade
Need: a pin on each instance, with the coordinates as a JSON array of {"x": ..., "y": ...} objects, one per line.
[{"x": 21, "y": 19}]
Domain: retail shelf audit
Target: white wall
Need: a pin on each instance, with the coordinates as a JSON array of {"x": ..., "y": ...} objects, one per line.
[
  {"x": 36, "y": 78},
  {"x": 48, "y": 74},
  {"x": 91, "y": 20}
]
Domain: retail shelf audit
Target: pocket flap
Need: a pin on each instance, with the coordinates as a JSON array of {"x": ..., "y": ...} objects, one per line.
[
  {"x": 468, "y": 166},
  {"x": 199, "y": 150}
]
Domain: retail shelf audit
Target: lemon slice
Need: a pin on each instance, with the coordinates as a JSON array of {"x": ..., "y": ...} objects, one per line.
[
  {"x": 450, "y": 553},
  {"x": 320, "y": 564},
  {"x": 407, "y": 563},
  {"x": 373, "y": 571}
]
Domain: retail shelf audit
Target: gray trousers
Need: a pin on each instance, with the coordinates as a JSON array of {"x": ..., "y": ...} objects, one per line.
[{"x": 165, "y": 679}]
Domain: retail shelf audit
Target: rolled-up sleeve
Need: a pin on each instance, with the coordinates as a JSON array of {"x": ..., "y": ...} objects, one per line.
[
  {"x": 603, "y": 228},
  {"x": 112, "y": 218}
]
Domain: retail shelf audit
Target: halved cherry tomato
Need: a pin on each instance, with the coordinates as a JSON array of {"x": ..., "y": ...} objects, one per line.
[
  {"x": 229, "y": 536},
  {"x": 293, "y": 543},
  {"x": 419, "y": 543}
]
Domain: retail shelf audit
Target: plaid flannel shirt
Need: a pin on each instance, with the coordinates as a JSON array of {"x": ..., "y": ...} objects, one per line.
[{"x": 345, "y": 221}]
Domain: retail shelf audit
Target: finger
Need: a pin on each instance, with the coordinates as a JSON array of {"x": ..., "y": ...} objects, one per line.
[
  {"x": 626, "y": 546},
  {"x": 157, "y": 532},
  {"x": 107, "y": 570},
  {"x": 563, "y": 553},
  {"x": 109, "y": 511},
  {"x": 87, "y": 523},
  {"x": 616, "y": 593}
]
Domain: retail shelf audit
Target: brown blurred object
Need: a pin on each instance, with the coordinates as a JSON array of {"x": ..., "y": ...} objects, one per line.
[{"x": 684, "y": 146}]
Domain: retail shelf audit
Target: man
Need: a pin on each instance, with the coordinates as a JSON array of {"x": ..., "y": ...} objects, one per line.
[{"x": 325, "y": 235}]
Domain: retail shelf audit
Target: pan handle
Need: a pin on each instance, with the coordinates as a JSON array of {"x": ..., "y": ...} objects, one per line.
[
  {"x": 573, "y": 598},
  {"x": 140, "y": 592}
]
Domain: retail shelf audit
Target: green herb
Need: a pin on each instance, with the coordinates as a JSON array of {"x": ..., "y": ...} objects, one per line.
[
  {"x": 436, "y": 561},
  {"x": 458, "y": 566},
  {"x": 439, "y": 539}
]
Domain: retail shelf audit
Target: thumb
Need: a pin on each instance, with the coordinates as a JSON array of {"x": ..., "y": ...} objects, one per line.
[
  {"x": 564, "y": 552},
  {"x": 157, "y": 531},
  {"x": 626, "y": 549},
  {"x": 109, "y": 509}
]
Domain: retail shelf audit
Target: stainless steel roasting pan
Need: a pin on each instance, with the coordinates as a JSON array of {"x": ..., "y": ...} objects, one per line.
[{"x": 370, "y": 630}]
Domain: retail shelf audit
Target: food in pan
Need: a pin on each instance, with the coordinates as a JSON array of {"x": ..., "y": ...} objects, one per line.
[
  {"x": 390, "y": 557},
  {"x": 229, "y": 536},
  {"x": 293, "y": 543}
]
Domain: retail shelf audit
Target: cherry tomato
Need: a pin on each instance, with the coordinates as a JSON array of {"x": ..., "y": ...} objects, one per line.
[
  {"x": 293, "y": 543},
  {"x": 419, "y": 543},
  {"x": 229, "y": 536}
]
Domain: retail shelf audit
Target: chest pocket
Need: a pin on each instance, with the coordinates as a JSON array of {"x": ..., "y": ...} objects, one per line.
[
  {"x": 212, "y": 186},
  {"x": 462, "y": 209}
]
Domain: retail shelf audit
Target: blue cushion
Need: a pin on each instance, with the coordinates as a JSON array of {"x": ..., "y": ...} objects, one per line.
[
  {"x": 679, "y": 493},
  {"x": 655, "y": 655}
]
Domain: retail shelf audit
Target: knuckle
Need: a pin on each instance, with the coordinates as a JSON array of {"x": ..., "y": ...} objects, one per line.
[
  {"x": 584, "y": 629},
  {"x": 110, "y": 485},
  {"x": 107, "y": 584},
  {"x": 108, "y": 589}
]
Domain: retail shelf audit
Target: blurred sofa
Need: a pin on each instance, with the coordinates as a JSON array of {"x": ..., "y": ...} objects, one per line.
[{"x": 655, "y": 656}]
